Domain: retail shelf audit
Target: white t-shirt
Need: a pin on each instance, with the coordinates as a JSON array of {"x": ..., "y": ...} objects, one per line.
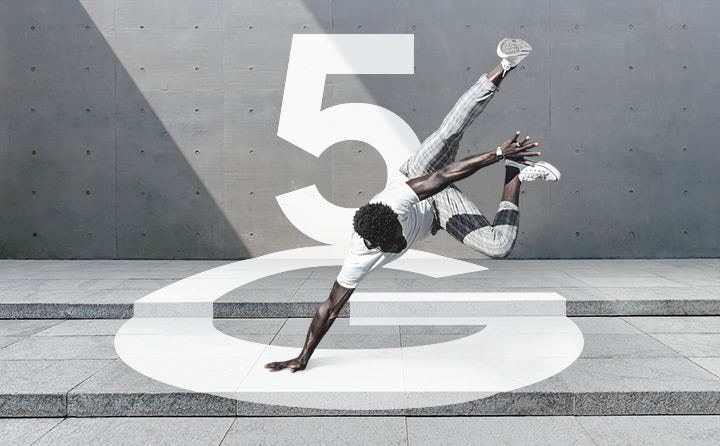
[{"x": 416, "y": 218}]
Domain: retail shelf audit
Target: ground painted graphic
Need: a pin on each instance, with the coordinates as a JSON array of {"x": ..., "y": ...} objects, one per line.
[{"x": 526, "y": 336}]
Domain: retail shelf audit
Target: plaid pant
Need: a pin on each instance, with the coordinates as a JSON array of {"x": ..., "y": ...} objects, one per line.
[{"x": 454, "y": 212}]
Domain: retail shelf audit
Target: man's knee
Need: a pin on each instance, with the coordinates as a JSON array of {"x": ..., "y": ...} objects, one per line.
[
  {"x": 500, "y": 252},
  {"x": 496, "y": 245}
]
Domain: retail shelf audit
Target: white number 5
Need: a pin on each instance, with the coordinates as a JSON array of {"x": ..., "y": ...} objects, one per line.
[{"x": 304, "y": 124}]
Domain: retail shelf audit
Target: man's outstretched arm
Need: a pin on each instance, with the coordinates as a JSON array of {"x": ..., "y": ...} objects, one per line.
[
  {"x": 321, "y": 323},
  {"x": 428, "y": 185}
]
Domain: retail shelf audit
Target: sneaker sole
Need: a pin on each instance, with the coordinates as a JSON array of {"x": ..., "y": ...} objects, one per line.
[{"x": 510, "y": 48}]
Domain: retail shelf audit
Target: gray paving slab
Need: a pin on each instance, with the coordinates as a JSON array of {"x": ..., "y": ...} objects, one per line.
[
  {"x": 118, "y": 390},
  {"x": 654, "y": 430},
  {"x": 112, "y": 269},
  {"x": 414, "y": 340},
  {"x": 342, "y": 341},
  {"x": 299, "y": 326},
  {"x": 656, "y": 293},
  {"x": 15, "y": 295},
  {"x": 24, "y": 328},
  {"x": 627, "y": 281},
  {"x": 138, "y": 431},
  {"x": 318, "y": 431},
  {"x": 61, "y": 347},
  {"x": 611, "y": 345},
  {"x": 712, "y": 365},
  {"x": 38, "y": 388},
  {"x": 496, "y": 431},
  {"x": 84, "y": 327},
  {"x": 692, "y": 344},
  {"x": 258, "y": 295},
  {"x": 632, "y": 375},
  {"x": 464, "y": 330},
  {"x": 8, "y": 340},
  {"x": 249, "y": 326},
  {"x": 600, "y": 325},
  {"x": 24, "y": 431},
  {"x": 676, "y": 324}
]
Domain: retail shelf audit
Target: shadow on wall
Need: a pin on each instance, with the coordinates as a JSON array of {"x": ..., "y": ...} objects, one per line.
[{"x": 88, "y": 169}]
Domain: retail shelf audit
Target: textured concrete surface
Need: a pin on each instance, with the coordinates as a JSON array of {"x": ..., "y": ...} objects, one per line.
[
  {"x": 647, "y": 430},
  {"x": 666, "y": 368},
  {"x": 50, "y": 289},
  {"x": 151, "y": 131},
  {"x": 622, "y": 370}
]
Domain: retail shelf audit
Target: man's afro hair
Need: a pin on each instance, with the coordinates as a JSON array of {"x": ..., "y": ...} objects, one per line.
[{"x": 375, "y": 222}]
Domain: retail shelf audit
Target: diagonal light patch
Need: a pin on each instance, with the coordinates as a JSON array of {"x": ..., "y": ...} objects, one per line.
[{"x": 179, "y": 75}]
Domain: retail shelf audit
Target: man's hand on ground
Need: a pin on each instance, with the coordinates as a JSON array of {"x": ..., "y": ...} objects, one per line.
[
  {"x": 293, "y": 364},
  {"x": 518, "y": 150}
]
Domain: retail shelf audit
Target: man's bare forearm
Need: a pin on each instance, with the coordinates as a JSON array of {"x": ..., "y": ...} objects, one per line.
[
  {"x": 321, "y": 323},
  {"x": 428, "y": 185}
]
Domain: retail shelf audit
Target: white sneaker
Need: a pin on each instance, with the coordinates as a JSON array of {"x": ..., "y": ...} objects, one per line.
[
  {"x": 512, "y": 52},
  {"x": 542, "y": 171}
]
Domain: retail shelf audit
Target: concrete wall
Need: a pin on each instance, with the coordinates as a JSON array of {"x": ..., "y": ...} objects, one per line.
[{"x": 148, "y": 129}]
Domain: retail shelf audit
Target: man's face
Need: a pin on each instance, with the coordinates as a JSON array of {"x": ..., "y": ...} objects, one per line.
[{"x": 396, "y": 244}]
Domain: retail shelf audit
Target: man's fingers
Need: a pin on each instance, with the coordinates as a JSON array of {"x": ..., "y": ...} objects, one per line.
[{"x": 523, "y": 154}]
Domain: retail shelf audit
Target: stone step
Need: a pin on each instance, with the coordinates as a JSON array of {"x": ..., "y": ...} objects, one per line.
[
  {"x": 179, "y": 404},
  {"x": 628, "y": 365},
  {"x": 261, "y": 309}
]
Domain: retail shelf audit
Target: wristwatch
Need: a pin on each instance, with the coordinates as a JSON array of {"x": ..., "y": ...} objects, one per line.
[{"x": 499, "y": 154}]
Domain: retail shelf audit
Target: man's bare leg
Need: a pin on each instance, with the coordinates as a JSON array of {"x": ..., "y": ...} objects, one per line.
[{"x": 511, "y": 190}]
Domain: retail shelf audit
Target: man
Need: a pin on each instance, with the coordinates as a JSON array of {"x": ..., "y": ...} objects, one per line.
[{"x": 408, "y": 211}]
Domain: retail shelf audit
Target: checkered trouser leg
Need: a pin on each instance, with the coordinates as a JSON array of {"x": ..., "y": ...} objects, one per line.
[
  {"x": 454, "y": 212},
  {"x": 440, "y": 148},
  {"x": 459, "y": 216}
]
